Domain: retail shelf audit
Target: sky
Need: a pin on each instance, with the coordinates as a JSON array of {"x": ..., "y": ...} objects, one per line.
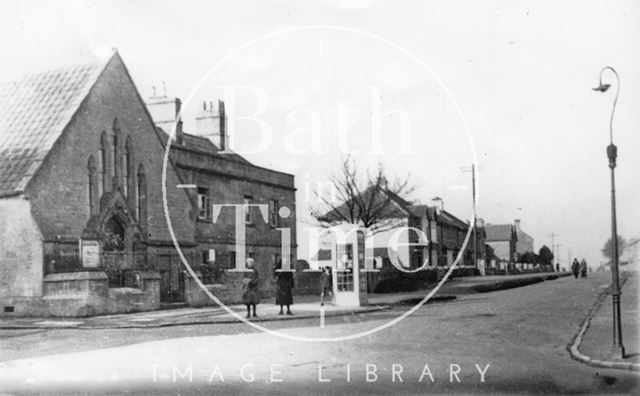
[{"x": 504, "y": 83}]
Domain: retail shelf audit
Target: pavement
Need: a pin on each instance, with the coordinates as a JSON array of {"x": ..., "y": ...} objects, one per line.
[
  {"x": 304, "y": 307},
  {"x": 593, "y": 343}
]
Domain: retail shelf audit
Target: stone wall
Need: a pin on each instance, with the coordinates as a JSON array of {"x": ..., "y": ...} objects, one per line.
[
  {"x": 59, "y": 190},
  {"x": 307, "y": 283},
  {"x": 502, "y": 249},
  {"x": 21, "y": 268},
  {"x": 86, "y": 293}
]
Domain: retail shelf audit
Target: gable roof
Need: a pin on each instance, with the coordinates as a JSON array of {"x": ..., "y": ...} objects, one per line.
[
  {"x": 499, "y": 232},
  {"x": 449, "y": 219},
  {"x": 399, "y": 207},
  {"x": 33, "y": 114},
  {"x": 200, "y": 144}
]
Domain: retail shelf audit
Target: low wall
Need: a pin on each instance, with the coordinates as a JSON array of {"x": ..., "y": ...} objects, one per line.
[
  {"x": 229, "y": 292},
  {"x": 307, "y": 283},
  {"x": 86, "y": 293}
]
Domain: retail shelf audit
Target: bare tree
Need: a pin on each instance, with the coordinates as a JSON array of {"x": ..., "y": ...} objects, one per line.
[{"x": 373, "y": 200}]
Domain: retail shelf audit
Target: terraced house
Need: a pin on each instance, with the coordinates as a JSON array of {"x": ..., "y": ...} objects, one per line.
[{"x": 82, "y": 223}]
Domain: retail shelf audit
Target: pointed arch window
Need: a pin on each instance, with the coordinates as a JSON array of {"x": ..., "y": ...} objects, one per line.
[
  {"x": 141, "y": 193},
  {"x": 114, "y": 154},
  {"x": 102, "y": 159},
  {"x": 91, "y": 185},
  {"x": 126, "y": 168}
]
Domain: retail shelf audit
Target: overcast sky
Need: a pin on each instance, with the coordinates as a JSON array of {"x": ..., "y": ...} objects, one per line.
[{"x": 519, "y": 72}]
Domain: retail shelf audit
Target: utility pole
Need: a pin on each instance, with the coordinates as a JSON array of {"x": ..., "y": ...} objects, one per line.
[
  {"x": 553, "y": 243},
  {"x": 473, "y": 169},
  {"x": 557, "y": 250}
]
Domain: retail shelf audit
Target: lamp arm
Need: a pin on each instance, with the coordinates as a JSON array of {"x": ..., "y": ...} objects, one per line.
[{"x": 615, "y": 100}]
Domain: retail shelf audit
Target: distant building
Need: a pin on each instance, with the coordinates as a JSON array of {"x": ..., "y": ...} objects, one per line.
[
  {"x": 525, "y": 241},
  {"x": 445, "y": 235},
  {"x": 502, "y": 239}
]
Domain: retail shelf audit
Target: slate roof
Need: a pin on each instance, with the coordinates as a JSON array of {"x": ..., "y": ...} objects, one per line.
[
  {"x": 499, "y": 232},
  {"x": 449, "y": 219},
  {"x": 418, "y": 210},
  {"x": 200, "y": 144},
  {"x": 33, "y": 113}
]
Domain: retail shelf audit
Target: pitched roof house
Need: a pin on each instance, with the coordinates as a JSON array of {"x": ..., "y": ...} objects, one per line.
[{"x": 502, "y": 238}]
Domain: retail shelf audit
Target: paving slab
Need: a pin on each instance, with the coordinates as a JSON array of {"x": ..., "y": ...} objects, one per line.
[{"x": 597, "y": 341}]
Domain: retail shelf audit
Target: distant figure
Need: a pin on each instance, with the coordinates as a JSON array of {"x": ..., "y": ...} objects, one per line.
[
  {"x": 326, "y": 283},
  {"x": 575, "y": 268},
  {"x": 557, "y": 267},
  {"x": 250, "y": 291},
  {"x": 284, "y": 284},
  {"x": 583, "y": 269}
]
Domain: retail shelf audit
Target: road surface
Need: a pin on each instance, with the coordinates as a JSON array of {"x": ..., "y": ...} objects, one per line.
[{"x": 506, "y": 342}]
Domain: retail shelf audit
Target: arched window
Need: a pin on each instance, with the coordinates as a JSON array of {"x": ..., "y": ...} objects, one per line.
[
  {"x": 141, "y": 202},
  {"x": 114, "y": 154},
  {"x": 126, "y": 168},
  {"x": 102, "y": 158},
  {"x": 92, "y": 182}
]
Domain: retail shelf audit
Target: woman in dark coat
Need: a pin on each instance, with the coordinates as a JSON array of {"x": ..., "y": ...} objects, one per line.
[
  {"x": 326, "y": 284},
  {"x": 284, "y": 284},
  {"x": 250, "y": 290}
]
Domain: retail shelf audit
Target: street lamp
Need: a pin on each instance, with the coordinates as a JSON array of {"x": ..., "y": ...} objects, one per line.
[{"x": 612, "y": 153}]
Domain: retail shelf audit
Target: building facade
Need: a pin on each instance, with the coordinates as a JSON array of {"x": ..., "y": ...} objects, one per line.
[
  {"x": 502, "y": 238},
  {"x": 82, "y": 218},
  {"x": 525, "y": 241}
]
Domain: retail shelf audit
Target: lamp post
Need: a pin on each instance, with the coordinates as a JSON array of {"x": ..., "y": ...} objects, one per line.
[{"x": 612, "y": 153}]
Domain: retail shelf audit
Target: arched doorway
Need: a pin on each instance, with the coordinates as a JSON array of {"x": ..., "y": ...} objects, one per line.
[
  {"x": 114, "y": 235},
  {"x": 116, "y": 257}
]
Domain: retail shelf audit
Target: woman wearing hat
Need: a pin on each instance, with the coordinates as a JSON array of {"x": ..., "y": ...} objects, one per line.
[{"x": 250, "y": 291}]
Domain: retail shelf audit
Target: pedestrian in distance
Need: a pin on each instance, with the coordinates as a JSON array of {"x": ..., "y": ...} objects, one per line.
[
  {"x": 326, "y": 284},
  {"x": 583, "y": 268},
  {"x": 557, "y": 267},
  {"x": 575, "y": 268},
  {"x": 284, "y": 286},
  {"x": 250, "y": 290}
]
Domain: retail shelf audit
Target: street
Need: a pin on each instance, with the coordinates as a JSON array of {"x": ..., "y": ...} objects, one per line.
[{"x": 511, "y": 341}]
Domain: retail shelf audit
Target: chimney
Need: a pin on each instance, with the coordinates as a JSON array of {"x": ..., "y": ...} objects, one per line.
[
  {"x": 211, "y": 123},
  {"x": 164, "y": 112},
  {"x": 517, "y": 224}
]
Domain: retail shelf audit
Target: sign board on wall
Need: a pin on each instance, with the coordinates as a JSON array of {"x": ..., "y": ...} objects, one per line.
[{"x": 90, "y": 251}]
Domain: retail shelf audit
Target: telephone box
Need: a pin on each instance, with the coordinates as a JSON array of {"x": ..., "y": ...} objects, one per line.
[{"x": 349, "y": 277}]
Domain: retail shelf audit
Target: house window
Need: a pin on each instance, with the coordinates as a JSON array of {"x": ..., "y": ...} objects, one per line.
[
  {"x": 247, "y": 209},
  {"x": 204, "y": 209},
  {"x": 126, "y": 167},
  {"x": 232, "y": 260},
  {"x": 274, "y": 207}
]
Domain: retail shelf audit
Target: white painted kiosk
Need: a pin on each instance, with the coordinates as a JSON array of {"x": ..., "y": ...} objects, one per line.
[{"x": 349, "y": 277}]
